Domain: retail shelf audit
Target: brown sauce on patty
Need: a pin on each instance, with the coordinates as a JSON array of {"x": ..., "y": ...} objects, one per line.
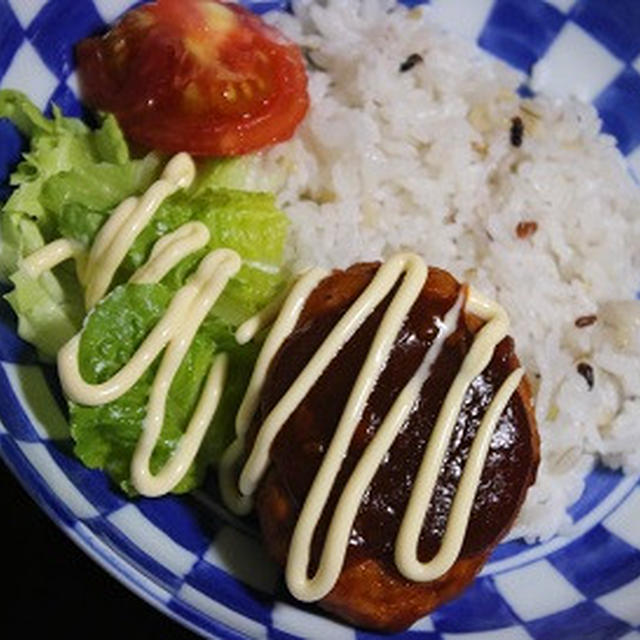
[{"x": 297, "y": 452}]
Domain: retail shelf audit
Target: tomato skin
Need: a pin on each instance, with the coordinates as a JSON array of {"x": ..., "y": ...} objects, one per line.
[{"x": 201, "y": 76}]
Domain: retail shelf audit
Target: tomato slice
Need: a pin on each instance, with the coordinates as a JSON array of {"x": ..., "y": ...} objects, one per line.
[{"x": 201, "y": 76}]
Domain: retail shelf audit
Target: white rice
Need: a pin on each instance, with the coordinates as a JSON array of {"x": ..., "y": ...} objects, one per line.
[{"x": 422, "y": 161}]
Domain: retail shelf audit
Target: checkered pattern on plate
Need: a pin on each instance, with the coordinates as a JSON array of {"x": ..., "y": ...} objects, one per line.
[{"x": 180, "y": 553}]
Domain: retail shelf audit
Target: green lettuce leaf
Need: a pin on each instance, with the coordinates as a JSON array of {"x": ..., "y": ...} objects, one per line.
[
  {"x": 98, "y": 186},
  {"x": 19, "y": 236},
  {"x": 106, "y": 435},
  {"x": 247, "y": 222},
  {"x": 50, "y": 309},
  {"x": 244, "y": 173},
  {"x": 65, "y": 186},
  {"x": 67, "y": 162}
]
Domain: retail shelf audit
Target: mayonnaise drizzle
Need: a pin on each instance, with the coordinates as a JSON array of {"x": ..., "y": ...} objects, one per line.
[
  {"x": 283, "y": 326},
  {"x": 51, "y": 255},
  {"x": 176, "y": 330},
  {"x": 125, "y": 224},
  {"x": 237, "y": 491},
  {"x": 97, "y": 267},
  {"x": 172, "y": 335},
  {"x": 169, "y": 250},
  {"x": 212, "y": 276}
]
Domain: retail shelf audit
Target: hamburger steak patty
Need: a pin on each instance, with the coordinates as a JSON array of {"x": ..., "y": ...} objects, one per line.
[{"x": 370, "y": 591}]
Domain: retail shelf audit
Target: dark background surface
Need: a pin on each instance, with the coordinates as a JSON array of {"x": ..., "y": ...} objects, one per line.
[{"x": 53, "y": 589}]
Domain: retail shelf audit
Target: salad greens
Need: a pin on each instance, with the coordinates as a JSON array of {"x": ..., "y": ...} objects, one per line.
[
  {"x": 106, "y": 435},
  {"x": 51, "y": 182},
  {"x": 66, "y": 186}
]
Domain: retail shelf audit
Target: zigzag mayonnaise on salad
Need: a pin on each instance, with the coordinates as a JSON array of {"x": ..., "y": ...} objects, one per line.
[{"x": 172, "y": 335}]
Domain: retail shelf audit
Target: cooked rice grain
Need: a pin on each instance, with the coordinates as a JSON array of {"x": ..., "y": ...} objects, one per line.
[{"x": 424, "y": 160}]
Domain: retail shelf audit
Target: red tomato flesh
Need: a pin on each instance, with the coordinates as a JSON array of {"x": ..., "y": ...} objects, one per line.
[{"x": 201, "y": 76}]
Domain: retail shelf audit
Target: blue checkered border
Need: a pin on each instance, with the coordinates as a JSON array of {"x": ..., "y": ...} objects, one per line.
[{"x": 189, "y": 586}]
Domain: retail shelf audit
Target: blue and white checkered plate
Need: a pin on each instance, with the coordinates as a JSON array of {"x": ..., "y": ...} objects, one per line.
[{"x": 178, "y": 553}]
